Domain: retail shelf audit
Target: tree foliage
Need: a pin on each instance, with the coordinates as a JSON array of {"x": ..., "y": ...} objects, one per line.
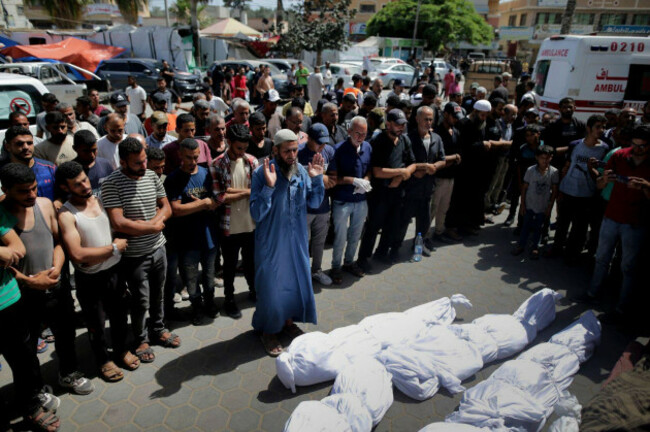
[
  {"x": 441, "y": 22},
  {"x": 130, "y": 9},
  {"x": 64, "y": 13},
  {"x": 316, "y": 25},
  {"x": 183, "y": 12}
]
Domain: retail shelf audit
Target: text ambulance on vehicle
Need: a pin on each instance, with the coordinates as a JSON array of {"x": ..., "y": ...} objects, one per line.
[{"x": 598, "y": 72}]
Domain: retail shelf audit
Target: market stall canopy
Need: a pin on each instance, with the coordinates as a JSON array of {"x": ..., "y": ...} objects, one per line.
[
  {"x": 79, "y": 52},
  {"x": 229, "y": 27}
]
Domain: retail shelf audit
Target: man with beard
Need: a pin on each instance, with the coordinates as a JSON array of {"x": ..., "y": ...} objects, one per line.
[
  {"x": 96, "y": 168},
  {"x": 280, "y": 193},
  {"x": 466, "y": 209},
  {"x": 38, "y": 273},
  {"x": 71, "y": 118},
  {"x": 330, "y": 116},
  {"x": 137, "y": 207},
  {"x": 85, "y": 111},
  {"x": 201, "y": 112},
  {"x": 259, "y": 145},
  {"x": 108, "y": 145},
  {"x": 269, "y": 109},
  {"x": 231, "y": 175},
  {"x": 217, "y": 132},
  {"x": 19, "y": 145},
  {"x": 294, "y": 122},
  {"x": 58, "y": 148},
  {"x": 392, "y": 163},
  {"x": 159, "y": 124},
  {"x": 120, "y": 105},
  {"x": 348, "y": 107},
  {"x": 563, "y": 131},
  {"x": 375, "y": 89},
  {"x": 86, "y": 234},
  {"x": 185, "y": 128},
  {"x": 49, "y": 103}
]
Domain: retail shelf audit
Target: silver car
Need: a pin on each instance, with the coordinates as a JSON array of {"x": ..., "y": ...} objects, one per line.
[{"x": 390, "y": 72}]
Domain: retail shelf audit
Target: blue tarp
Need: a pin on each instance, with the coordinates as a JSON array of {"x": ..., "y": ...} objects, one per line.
[{"x": 7, "y": 42}]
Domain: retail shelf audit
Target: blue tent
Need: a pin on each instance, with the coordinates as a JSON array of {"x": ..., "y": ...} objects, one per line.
[{"x": 7, "y": 42}]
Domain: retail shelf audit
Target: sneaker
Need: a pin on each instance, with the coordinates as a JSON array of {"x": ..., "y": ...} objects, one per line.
[
  {"x": 47, "y": 400},
  {"x": 231, "y": 309},
  {"x": 354, "y": 269},
  {"x": 77, "y": 383},
  {"x": 185, "y": 295},
  {"x": 218, "y": 282},
  {"x": 177, "y": 298},
  {"x": 322, "y": 278}
]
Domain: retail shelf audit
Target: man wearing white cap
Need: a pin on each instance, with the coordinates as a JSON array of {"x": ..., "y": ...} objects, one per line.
[
  {"x": 467, "y": 206},
  {"x": 280, "y": 193}
]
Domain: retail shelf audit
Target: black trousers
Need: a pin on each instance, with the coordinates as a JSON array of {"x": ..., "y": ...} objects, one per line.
[
  {"x": 230, "y": 247},
  {"x": 467, "y": 206},
  {"x": 55, "y": 307},
  {"x": 384, "y": 213},
  {"x": 19, "y": 350},
  {"x": 418, "y": 208},
  {"x": 574, "y": 213},
  {"x": 100, "y": 294}
]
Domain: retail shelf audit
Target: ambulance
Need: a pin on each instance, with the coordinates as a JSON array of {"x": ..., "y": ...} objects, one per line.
[{"x": 598, "y": 72}]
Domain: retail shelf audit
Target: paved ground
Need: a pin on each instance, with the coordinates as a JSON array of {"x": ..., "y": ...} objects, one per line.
[{"x": 221, "y": 379}]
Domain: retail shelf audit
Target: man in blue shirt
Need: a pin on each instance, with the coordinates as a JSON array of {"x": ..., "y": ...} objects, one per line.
[
  {"x": 318, "y": 218},
  {"x": 96, "y": 168},
  {"x": 19, "y": 144},
  {"x": 350, "y": 167}
]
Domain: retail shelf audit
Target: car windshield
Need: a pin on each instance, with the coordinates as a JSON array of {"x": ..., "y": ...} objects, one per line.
[{"x": 274, "y": 69}]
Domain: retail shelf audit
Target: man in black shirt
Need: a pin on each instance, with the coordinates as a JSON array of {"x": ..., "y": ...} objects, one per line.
[
  {"x": 563, "y": 131},
  {"x": 392, "y": 163},
  {"x": 500, "y": 91},
  {"x": 329, "y": 117},
  {"x": 218, "y": 78},
  {"x": 259, "y": 146}
]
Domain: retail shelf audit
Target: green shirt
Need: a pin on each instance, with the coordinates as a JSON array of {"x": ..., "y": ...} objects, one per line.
[
  {"x": 607, "y": 191},
  {"x": 302, "y": 80},
  {"x": 9, "y": 292}
]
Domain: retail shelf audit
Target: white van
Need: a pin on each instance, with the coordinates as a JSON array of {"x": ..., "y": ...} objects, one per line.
[
  {"x": 598, "y": 72},
  {"x": 19, "y": 93}
]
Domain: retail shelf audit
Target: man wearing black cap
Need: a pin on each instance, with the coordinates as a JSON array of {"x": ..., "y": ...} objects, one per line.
[
  {"x": 120, "y": 104},
  {"x": 49, "y": 103},
  {"x": 168, "y": 94},
  {"x": 392, "y": 163}
]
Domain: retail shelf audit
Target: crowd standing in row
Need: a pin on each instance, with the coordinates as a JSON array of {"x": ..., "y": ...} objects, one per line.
[{"x": 144, "y": 206}]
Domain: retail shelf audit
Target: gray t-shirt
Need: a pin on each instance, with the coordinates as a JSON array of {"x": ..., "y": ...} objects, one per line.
[
  {"x": 539, "y": 187},
  {"x": 578, "y": 182}
]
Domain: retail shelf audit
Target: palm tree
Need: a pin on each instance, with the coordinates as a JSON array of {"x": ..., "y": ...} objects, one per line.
[
  {"x": 64, "y": 13},
  {"x": 130, "y": 9},
  {"x": 567, "y": 18}
]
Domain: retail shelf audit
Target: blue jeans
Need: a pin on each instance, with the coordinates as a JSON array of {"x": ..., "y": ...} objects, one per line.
[
  {"x": 632, "y": 238},
  {"x": 190, "y": 274},
  {"x": 532, "y": 222},
  {"x": 342, "y": 212}
]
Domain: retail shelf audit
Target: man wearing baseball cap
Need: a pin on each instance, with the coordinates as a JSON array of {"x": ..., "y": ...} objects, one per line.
[
  {"x": 269, "y": 108},
  {"x": 159, "y": 124},
  {"x": 392, "y": 163},
  {"x": 120, "y": 105},
  {"x": 467, "y": 204},
  {"x": 318, "y": 218},
  {"x": 159, "y": 103},
  {"x": 281, "y": 191}
]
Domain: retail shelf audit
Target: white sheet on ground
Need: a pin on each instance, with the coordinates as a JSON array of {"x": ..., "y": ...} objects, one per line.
[
  {"x": 351, "y": 407},
  {"x": 448, "y": 427},
  {"x": 568, "y": 410},
  {"x": 538, "y": 311},
  {"x": 371, "y": 383},
  {"x": 315, "y": 416},
  {"x": 506, "y": 330}
]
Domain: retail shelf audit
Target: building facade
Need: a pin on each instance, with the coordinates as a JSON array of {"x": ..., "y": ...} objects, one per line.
[
  {"x": 365, "y": 10},
  {"x": 102, "y": 12},
  {"x": 13, "y": 15}
]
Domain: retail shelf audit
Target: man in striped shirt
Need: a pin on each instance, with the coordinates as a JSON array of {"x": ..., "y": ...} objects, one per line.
[{"x": 137, "y": 206}]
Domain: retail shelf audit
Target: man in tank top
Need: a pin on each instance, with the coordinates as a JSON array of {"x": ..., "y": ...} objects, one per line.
[
  {"x": 38, "y": 273},
  {"x": 86, "y": 234}
]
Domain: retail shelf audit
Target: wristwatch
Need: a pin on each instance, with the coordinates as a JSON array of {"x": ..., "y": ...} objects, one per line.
[{"x": 116, "y": 251}]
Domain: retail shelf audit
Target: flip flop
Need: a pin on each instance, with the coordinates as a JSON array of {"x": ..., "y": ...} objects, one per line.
[
  {"x": 110, "y": 372},
  {"x": 272, "y": 345},
  {"x": 148, "y": 352},
  {"x": 130, "y": 361}
]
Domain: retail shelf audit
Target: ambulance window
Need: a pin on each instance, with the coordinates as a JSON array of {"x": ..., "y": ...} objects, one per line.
[
  {"x": 541, "y": 74},
  {"x": 638, "y": 83},
  {"x": 23, "y": 97}
]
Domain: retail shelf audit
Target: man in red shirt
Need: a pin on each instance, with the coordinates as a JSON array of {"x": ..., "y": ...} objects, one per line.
[
  {"x": 626, "y": 217},
  {"x": 240, "y": 84}
]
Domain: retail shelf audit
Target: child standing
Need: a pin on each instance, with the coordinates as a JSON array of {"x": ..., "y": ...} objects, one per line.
[{"x": 538, "y": 193}]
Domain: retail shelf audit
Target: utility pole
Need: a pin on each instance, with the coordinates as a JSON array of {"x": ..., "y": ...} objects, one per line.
[
  {"x": 166, "y": 14},
  {"x": 279, "y": 16},
  {"x": 567, "y": 18},
  {"x": 415, "y": 29}
]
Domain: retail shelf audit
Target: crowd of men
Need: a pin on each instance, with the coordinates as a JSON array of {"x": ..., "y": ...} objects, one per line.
[{"x": 144, "y": 206}]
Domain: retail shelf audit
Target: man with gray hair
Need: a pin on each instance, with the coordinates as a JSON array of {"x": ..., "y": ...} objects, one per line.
[
  {"x": 350, "y": 168},
  {"x": 280, "y": 193},
  {"x": 241, "y": 110},
  {"x": 74, "y": 125},
  {"x": 330, "y": 117}
]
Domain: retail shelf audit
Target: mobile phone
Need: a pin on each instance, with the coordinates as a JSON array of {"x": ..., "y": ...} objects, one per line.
[
  {"x": 622, "y": 179},
  {"x": 601, "y": 164}
]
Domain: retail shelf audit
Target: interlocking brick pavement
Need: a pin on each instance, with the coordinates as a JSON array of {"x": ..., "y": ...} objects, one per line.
[{"x": 221, "y": 379}]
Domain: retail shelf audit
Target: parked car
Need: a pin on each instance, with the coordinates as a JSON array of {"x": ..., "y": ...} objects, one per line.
[
  {"x": 19, "y": 93},
  {"x": 343, "y": 70},
  {"x": 390, "y": 72},
  {"x": 442, "y": 68},
  {"x": 146, "y": 72},
  {"x": 380, "y": 62},
  {"x": 285, "y": 64},
  {"x": 66, "y": 81},
  {"x": 484, "y": 71},
  {"x": 279, "y": 78}
]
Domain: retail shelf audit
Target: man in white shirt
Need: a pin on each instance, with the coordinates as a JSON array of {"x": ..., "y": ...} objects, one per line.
[
  {"x": 107, "y": 146},
  {"x": 217, "y": 105},
  {"x": 137, "y": 97},
  {"x": 315, "y": 85},
  {"x": 71, "y": 118},
  {"x": 327, "y": 77}
]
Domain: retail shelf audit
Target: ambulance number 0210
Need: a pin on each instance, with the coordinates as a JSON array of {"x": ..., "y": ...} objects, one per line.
[{"x": 625, "y": 47}]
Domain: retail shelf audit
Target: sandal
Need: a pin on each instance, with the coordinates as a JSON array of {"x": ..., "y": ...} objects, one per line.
[
  {"x": 293, "y": 331},
  {"x": 41, "y": 346},
  {"x": 110, "y": 372},
  {"x": 130, "y": 361},
  {"x": 44, "y": 420},
  {"x": 168, "y": 339},
  {"x": 47, "y": 335},
  {"x": 272, "y": 345},
  {"x": 145, "y": 355}
]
